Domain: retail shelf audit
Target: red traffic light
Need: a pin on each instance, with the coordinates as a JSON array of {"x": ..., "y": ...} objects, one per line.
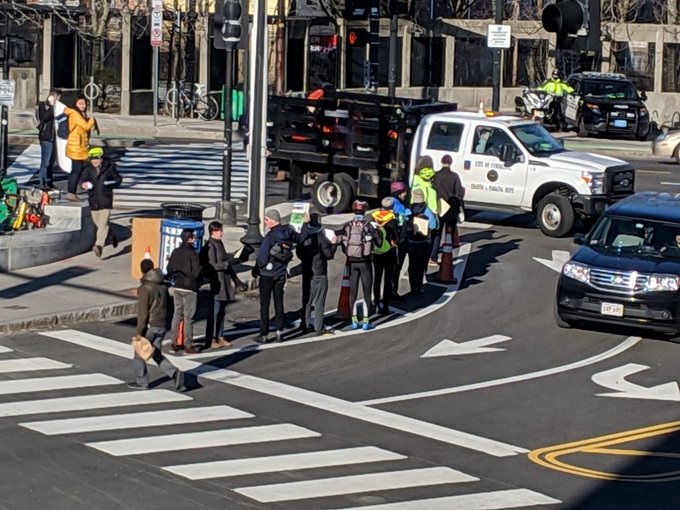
[{"x": 357, "y": 37}]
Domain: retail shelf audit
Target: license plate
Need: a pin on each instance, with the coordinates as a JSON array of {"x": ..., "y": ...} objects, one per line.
[
  {"x": 620, "y": 123},
  {"x": 611, "y": 309}
]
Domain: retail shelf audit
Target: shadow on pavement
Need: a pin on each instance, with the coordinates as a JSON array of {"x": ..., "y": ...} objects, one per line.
[{"x": 485, "y": 255}]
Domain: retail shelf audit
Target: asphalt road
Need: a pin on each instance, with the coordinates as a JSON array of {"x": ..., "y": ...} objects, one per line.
[{"x": 533, "y": 416}]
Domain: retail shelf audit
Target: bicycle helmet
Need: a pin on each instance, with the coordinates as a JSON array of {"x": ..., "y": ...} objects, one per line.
[
  {"x": 359, "y": 206},
  {"x": 426, "y": 173},
  {"x": 397, "y": 187},
  {"x": 95, "y": 153}
]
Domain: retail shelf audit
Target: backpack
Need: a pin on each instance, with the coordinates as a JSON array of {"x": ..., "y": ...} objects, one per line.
[
  {"x": 358, "y": 240},
  {"x": 281, "y": 252},
  {"x": 62, "y": 126},
  {"x": 385, "y": 245},
  {"x": 36, "y": 116}
]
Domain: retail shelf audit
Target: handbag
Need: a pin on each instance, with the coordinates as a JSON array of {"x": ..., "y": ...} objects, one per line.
[{"x": 142, "y": 347}]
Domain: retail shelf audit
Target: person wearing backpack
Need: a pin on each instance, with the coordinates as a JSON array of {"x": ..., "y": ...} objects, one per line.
[
  {"x": 276, "y": 251},
  {"x": 359, "y": 237},
  {"x": 385, "y": 255},
  {"x": 44, "y": 121},
  {"x": 419, "y": 240},
  {"x": 78, "y": 142}
]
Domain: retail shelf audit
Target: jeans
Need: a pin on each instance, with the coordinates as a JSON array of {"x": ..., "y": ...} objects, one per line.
[
  {"x": 215, "y": 321},
  {"x": 185, "y": 308},
  {"x": 155, "y": 336},
  {"x": 319, "y": 291},
  {"x": 46, "y": 151},
  {"x": 74, "y": 177},
  {"x": 271, "y": 285}
]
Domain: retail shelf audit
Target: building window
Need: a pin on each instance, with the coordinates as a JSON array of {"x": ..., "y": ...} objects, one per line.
[
  {"x": 525, "y": 63},
  {"x": 473, "y": 63},
  {"x": 635, "y": 60},
  {"x": 671, "y": 68},
  {"x": 636, "y": 11},
  {"x": 427, "y": 69}
]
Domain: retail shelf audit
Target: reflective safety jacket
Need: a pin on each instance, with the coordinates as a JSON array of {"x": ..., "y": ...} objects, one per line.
[{"x": 556, "y": 87}]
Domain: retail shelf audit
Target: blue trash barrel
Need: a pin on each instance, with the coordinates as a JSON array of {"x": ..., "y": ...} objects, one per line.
[{"x": 170, "y": 237}]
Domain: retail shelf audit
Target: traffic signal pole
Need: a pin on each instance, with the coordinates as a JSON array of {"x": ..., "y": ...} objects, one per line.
[
  {"x": 4, "y": 116},
  {"x": 227, "y": 153},
  {"x": 496, "y": 95}
]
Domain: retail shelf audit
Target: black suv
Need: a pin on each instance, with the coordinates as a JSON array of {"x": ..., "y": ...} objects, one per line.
[
  {"x": 604, "y": 103},
  {"x": 628, "y": 270}
]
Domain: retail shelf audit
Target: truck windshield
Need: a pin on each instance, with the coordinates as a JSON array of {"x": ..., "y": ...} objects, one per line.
[
  {"x": 536, "y": 139},
  {"x": 630, "y": 235}
]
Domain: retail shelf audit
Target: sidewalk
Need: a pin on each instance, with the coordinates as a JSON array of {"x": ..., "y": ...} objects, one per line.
[{"x": 133, "y": 127}]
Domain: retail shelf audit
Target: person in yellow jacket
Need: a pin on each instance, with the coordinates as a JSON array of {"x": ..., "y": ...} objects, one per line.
[
  {"x": 423, "y": 180},
  {"x": 77, "y": 143},
  {"x": 557, "y": 88}
]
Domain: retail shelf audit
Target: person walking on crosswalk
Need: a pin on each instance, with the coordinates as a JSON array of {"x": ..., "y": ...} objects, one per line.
[{"x": 152, "y": 297}]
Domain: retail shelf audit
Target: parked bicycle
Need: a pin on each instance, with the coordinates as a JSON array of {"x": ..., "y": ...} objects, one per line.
[{"x": 191, "y": 102}]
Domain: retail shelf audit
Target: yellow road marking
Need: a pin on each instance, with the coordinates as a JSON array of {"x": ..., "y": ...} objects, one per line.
[{"x": 549, "y": 456}]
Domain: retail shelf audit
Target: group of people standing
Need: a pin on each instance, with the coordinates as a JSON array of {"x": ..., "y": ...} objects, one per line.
[{"x": 375, "y": 245}]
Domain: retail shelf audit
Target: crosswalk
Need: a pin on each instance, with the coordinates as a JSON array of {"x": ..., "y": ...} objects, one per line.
[
  {"x": 311, "y": 455},
  {"x": 187, "y": 173}
]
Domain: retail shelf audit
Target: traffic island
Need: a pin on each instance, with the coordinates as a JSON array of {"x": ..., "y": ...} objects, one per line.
[{"x": 69, "y": 232}]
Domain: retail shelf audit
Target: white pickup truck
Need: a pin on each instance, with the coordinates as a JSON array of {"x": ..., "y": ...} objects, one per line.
[{"x": 511, "y": 165}]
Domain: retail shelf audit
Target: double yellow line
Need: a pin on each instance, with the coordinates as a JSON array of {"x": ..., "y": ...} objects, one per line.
[{"x": 549, "y": 456}]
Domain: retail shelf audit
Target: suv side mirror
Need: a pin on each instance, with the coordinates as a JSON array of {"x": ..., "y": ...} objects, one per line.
[
  {"x": 579, "y": 238},
  {"x": 643, "y": 95}
]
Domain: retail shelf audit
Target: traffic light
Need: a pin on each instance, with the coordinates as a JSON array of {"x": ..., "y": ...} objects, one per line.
[
  {"x": 566, "y": 18},
  {"x": 227, "y": 23},
  {"x": 357, "y": 37}
]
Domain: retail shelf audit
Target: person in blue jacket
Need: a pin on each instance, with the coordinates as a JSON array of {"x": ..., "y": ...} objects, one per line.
[{"x": 276, "y": 251}]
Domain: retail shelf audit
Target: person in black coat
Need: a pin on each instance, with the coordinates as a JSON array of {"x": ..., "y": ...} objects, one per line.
[
  {"x": 46, "y": 134},
  {"x": 99, "y": 178},
  {"x": 217, "y": 266},
  {"x": 449, "y": 187},
  {"x": 184, "y": 269},
  {"x": 320, "y": 250}
]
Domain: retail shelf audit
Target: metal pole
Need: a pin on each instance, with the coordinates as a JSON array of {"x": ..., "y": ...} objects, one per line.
[
  {"x": 226, "y": 155},
  {"x": 178, "y": 14},
  {"x": 280, "y": 48},
  {"x": 374, "y": 44},
  {"x": 496, "y": 98},
  {"x": 392, "y": 66},
  {"x": 155, "y": 86},
  {"x": 253, "y": 238},
  {"x": 4, "y": 121}
]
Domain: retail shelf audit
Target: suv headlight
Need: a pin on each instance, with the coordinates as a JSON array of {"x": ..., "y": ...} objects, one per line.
[
  {"x": 576, "y": 271},
  {"x": 594, "y": 181},
  {"x": 662, "y": 283}
]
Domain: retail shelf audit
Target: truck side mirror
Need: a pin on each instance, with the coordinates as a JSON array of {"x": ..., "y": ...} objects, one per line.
[
  {"x": 643, "y": 95},
  {"x": 508, "y": 155}
]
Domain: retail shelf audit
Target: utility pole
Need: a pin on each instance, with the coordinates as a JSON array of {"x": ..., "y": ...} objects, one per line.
[
  {"x": 496, "y": 97},
  {"x": 258, "y": 99},
  {"x": 392, "y": 64},
  {"x": 280, "y": 48},
  {"x": 4, "y": 120}
]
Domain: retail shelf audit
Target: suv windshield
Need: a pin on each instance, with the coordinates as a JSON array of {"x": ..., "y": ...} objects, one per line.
[
  {"x": 631, "y": 235},
  {"x": 536, "y": 139},
  {"x": 609, "y": 89}
]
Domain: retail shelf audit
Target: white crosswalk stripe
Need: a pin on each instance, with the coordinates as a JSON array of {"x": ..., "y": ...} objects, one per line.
[
  {"x": 136, "y": 420},
  {"x": 188, "y": 173},
  {"x": 274, "y": 463},
  {"x": 119, "y": 435},
  {"x": 4, "y": 349},
  {"x": 354, "y": 484}
]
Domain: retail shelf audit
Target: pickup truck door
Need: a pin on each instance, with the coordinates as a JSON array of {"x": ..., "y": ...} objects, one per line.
[{"x": 488, "y": 179}]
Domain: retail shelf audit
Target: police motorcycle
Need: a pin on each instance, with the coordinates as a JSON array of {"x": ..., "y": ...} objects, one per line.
[{"x": 537, "y": 105}]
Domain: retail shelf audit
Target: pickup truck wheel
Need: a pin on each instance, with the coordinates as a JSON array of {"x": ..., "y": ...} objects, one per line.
[
  {"x": 555, "y": 215},
  {"x": 332, "y": 196}
]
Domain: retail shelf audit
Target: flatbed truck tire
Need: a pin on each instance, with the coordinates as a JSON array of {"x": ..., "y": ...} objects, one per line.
[{"x": 333, "y": 196}]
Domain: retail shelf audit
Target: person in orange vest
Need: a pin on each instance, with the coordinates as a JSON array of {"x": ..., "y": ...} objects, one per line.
[{"x": 385, "y": 255}]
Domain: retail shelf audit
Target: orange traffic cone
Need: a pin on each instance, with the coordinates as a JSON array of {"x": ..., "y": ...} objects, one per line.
[
  {"x": 344, "y": 311},
  {"x": 456, "y": 240},
  {"x": 445, "y": 274},
  {"x": 178, "y": 344},
  {"x": 147, "y": 253}
]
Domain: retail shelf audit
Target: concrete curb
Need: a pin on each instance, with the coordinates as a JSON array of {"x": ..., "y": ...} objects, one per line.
[{"x": 92, "y": 314}]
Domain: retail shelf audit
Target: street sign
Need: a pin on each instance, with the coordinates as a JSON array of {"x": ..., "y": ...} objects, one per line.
[
  {"x": 156, "y": 28},
  {"x": 7, "y": 88},
  {"x": 498, "y": 36},
  {"x": 157, "y": 5}
]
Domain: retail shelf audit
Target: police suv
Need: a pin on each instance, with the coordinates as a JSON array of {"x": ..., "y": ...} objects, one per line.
[
  {"x": 513, "y": 165},
  {"x": 606, "y": 103}
]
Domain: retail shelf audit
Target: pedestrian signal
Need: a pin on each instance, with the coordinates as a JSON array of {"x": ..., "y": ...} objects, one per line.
[{"x": 357, "y": 37}]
